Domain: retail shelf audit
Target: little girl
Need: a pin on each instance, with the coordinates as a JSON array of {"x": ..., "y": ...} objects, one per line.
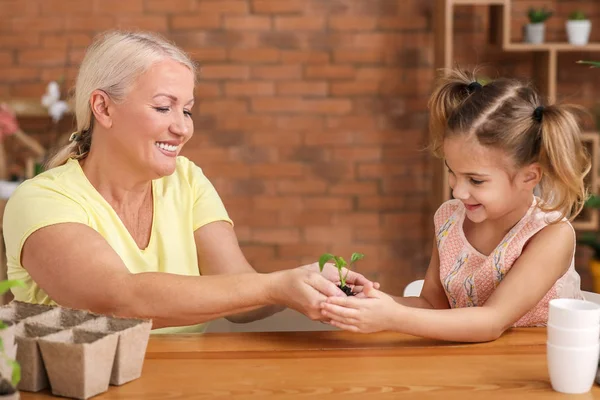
[{"x": 501, "y": 253}]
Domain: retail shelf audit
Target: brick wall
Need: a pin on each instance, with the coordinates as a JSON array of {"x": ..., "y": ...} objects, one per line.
[{"x": 310, "y": 117}]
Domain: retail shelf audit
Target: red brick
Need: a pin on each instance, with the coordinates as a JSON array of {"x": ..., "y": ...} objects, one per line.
[
  {"x": 208, "y": 54},
  {"x": 381, "y": 203},
  {"x": 63, "y": 7},
  {"x": 328, "y": 203},
  {"x": 352, "y": 23},
  {"x": 358, "y": 56},
  {"x": 306, "y": 218},
  {"x": 243, "y": 233},
  {"x": 169, "y": 6},
  {"x": 316, "y": 138},
  {"x": 66, "y": 40},
  {"x": 280, "y": 72},
  {"x": 227, "y": 106},
  {"x": 300, "y": 122},
  {"x": 224, "y": 71},
  {"x": 223, "y": 6},
  {"x": 377, "y": 170},
  {"x": 327, "y": 235},
  {"x": 227, "y": 170},
  {"x": 304, "y": 57},
  {"x": 377, "y": 40},
  {"x": 254, "y": 56},
  {"x": 54, "y": 73},
  {"x": 258, "y": 253},
  {"x": 302, "y": 88},
  {"x": 279, "y": 170},
  {"x": 328, "y": 106},
  {"x": 355, "y": 188},
  {"x": 356, "y": 219},
  {"x": 19, "y": 8},
  {"x": 28, "y": 90},
  {"x": 156, "y": 23},
  {"x": 37, "y": 24},
  {"x": 300, "y": 23},
  {"x": 378, "y": 73},
  {"x": 376, "y": 234},
  {"x": 277, "y": 6},
  {"x": 284, "y": 203},
  {"x": 76, "y": 56},
  {"x": 248, "y": 122},
  {"x": 303, "y": 106},
  {"x": 287, "y": 251},
  {"x": 19, "y": 41},
  {"x": 357, "y": 153},
  {"x": 18, "y": 74},
  {"x": 261, "y": 219},
  {"x": 195, "y": 21},
  {"x": 275, "y": 235},
  {"x": 6, "y": 58},
  {"x": 89, "y": 23},
  {"x": 117, "y": 7},
  {"x": 307, "y": 186},
  {"x": 352, "y": 122},
  {"x": 356, "y": 88},
  {"x": 42, "y": 57},
  {"x": 275, "y": 138},
  {"x": 330, "y": 72},
  {"x": 248, "y": 23},
  {"x": 205, "y": 90},
  {"x": 404, "y": 23},
  {"x": 259, "y": 88}
]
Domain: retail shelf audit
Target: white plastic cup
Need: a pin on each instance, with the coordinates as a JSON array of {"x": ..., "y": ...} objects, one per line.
[
  {"x": 572, "y": 370},
  {"x": 573, "y": 314},
  {"x": 566, "y": 337}
]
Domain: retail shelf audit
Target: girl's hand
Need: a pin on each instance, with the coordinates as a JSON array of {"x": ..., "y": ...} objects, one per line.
[{"x": 373, "y": 313}]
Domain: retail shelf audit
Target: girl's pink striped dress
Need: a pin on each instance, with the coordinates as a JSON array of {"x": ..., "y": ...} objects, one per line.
[{"x": 469, "y": 277}]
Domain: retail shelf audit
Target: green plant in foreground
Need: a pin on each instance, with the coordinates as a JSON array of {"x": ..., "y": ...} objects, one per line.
[
  {"x": 339, "y": 263},
  {"x": 5, "y": 286},
  {"x": 537, "y": 16}
]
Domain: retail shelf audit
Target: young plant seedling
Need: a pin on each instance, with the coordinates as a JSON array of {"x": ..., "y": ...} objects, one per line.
[{"x": 340, "y": 263}]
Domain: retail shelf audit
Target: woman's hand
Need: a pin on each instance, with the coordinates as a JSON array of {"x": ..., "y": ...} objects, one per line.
[
  {"x": 355, "y": 280},
  {"x": 373, "y": 313},
  {"x": 8, "y": 121}
]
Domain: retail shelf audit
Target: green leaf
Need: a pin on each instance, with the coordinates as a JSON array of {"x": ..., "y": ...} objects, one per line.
[
  {"x": 323, "y": 260},
  {"x": 593, "y": 64},
  {"x": 355, "y": 257},
  {"x": 577, "y": 16},
  {"x": 593, "y": 201},
  {"x": 340, "y": 262},
  {"x": 5, "y": 286},
  {"x": 16, "y": 372}
]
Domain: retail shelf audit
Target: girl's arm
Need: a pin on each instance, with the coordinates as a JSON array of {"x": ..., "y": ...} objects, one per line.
[
  {"x": 545, "y": 259},
  {"x": 433, "y": 294}
]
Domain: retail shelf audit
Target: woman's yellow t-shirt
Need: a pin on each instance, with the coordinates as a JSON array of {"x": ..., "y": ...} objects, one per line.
[{"x": 183, "y": 202}]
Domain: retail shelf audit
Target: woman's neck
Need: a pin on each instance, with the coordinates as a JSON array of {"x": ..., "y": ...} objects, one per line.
[{"x": 115, "y": 179}]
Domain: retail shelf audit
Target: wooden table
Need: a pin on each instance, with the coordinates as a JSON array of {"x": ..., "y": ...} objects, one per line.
[{"x": 327, "y": 365}]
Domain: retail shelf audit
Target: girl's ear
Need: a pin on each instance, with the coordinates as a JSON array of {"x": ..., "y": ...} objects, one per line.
[{"x": 530, "y": 176}]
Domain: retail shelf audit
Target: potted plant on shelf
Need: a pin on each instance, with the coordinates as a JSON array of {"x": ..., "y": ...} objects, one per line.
[
  {"x": 340, "y": 263},
  {"x": 592, "y": 240},
  {"x": 536, "y": 29},
  {"x": 578, "y": 28},
  {"x": 8, "y": 362}
]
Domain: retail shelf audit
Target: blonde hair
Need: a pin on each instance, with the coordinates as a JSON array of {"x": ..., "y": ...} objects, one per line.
[
  {"x": 112, "y": 63},
  {"x": 509, "y": 115}
]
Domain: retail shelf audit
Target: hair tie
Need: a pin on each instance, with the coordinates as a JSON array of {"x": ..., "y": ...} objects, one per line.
[
  {"x": 473, "y": 86},
  {"x": 538, "y": 113},
  {"x": 75, "y": 137}
]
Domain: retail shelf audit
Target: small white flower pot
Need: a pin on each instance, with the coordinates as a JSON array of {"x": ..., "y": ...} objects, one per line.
[
  {"x": 578, "y": 32},
  {"x": 534, "y": 33}
]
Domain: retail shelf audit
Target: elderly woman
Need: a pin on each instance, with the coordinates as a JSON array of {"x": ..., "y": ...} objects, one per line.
[{"x": 122, "y": 224}]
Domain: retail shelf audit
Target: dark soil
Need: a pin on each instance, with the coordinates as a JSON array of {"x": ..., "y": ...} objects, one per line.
[{"x": 347, "y": 290}]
